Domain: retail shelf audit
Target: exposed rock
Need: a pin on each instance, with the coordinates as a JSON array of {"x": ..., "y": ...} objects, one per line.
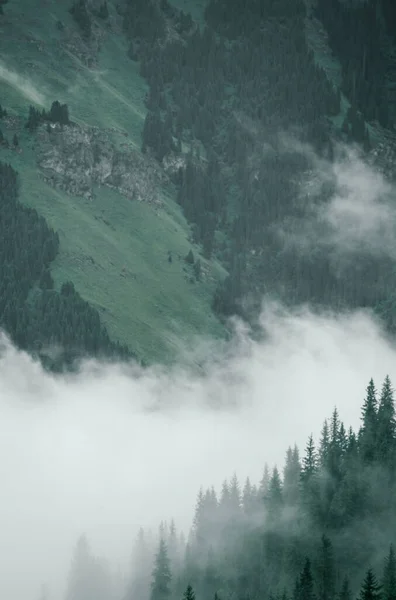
[{"x": 75, "y": 159}]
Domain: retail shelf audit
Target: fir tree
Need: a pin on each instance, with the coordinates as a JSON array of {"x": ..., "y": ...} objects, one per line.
[
  {"x": 386, "y": 424},
  {"x": 370, "y": 589},
  {"x": 306, "y": 583},
  {"x": 368, "y": 431},
  {"x": 389, "y": 576},
  {"x": 161, "y": 576},
  {"x": 325, "y": 570},
  {"x": 345, "y": 592},
  {"x": 189, "y": 593}
]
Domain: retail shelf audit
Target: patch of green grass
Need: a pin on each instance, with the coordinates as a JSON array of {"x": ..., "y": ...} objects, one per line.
[
  {"x": 37, "y": 68},
  {"x": 116, "y": 253},
  {"x": 113, "y": 249}
]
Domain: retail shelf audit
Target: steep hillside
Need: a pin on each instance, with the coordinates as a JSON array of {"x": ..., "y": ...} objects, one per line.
[{"x": 114, "y": 249}]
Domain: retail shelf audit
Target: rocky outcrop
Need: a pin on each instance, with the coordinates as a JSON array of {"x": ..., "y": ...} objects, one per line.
[{"x": 76, "y": 159}]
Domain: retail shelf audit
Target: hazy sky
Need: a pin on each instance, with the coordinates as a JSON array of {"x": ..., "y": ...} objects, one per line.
[{"x": 92, "y": 453}]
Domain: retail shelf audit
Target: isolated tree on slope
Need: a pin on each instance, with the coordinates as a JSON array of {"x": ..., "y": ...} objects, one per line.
[{"x": 160, "y": 587}]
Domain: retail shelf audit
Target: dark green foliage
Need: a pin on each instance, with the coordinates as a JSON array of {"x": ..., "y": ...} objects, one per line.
[
  {"x": 197, "y": 269},
  {"x": 368, "y": 434},
  {"x": 81, "y": 16},
  {"x": 189, "y": 594},
  {"x": 345, "y": 592},
  {"x": 213, "y": 85},
  {"x": 389, "y": 576},
  {"x": 325, "y": 571},
  {"x": 59, "y": 113},
  {"x": 156, "y": 135},
  {"x": 370, "y": 589},
  {"x": 285, "y": 539},
  {"x": 2, "y": 3},
  {"x": 34, "y": 119},
  {"x": 57, "y": 327},
  {"x": 356, "y": 34},
  {"x": 103, "y": 12}
]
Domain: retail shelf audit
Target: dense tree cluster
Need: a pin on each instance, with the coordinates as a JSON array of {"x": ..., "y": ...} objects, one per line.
[
  {"x": 58, "y": 113},
  {"x": 357, "y": 35},
  {"x": 57, "y": 326},
  {"x": 322, "y": 529},
  {"x": 223, "y": 93},
  {"x": 80, "y": 14}
]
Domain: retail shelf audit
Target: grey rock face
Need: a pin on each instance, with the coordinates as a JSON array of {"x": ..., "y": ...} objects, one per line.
[{"x": 75, "y": 159}]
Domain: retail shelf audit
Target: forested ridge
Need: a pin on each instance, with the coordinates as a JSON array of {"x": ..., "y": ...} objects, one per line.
[
  {"x": 321, "y": 528},
  {"x": 59, "y": 327},
  {"x": 224, "y": 92},
  {"x": 219, "y": 95}
]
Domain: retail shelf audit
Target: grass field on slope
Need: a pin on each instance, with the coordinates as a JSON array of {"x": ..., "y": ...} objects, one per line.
[
  {"x": 113, "y": 249},
  {"x": 39, "y": 69}
]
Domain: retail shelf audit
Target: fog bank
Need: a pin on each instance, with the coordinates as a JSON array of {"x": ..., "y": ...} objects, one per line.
[{"x": 111, "y": 449}]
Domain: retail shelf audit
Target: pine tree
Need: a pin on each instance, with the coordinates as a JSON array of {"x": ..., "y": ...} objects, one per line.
[
  {"x": 345, "y": 592},
  {"x": 325, "y": 570},
  {"x": 189, "y": 593},
  {"x": 274, "y": 499},
  {"x": 368, "y": 431},
  {"x": 291, "y": 477},
  {"x": 309, "y": 466},
  {"x": 306, "y": 583},
  {"x": 161, "y": 576},
  {"x": 389, "y": 576},
  {"x": 370, "y": 589},
  {"x": 386, "y": 424},
  {"x": 324, "y": 444}
]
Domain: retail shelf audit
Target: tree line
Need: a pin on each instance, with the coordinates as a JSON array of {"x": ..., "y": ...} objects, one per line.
[
  {"x": 217, "y": 96},
  {"x": 59, "y": 327},
  {"x": 322, "y": 528}
]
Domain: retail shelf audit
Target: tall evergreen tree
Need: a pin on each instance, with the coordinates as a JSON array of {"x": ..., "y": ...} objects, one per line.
[
  {"x": 161, "y": 576},
  {"x": 386, "y": 424},
  {"x": 370, "y": 589},
  {"x": 389, "y": 576},
  {"x": 368, "y": 431},
  {"x": 325, "y": 570},
  {"x": 345, "y": 592}
]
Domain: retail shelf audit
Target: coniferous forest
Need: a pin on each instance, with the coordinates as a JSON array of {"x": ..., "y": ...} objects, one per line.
[
  {"x": 322, "y": 527},
  {"x": 212, "y": 91},
  {"x": 59, "y": 327}
]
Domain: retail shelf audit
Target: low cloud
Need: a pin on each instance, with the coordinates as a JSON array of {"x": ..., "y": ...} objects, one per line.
[
  {"x": 111, "y": 448},
  {"x": 359, "y": 215},
  {"x": 22, "y": 84}
]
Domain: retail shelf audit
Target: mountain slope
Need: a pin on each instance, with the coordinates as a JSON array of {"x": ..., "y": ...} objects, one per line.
[{"x": 115, "y": 250}]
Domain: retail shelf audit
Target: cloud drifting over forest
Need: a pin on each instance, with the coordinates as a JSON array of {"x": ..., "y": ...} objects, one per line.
[
  {"x": 360, "y": 213},
  {"x": 110, "y": 449}
]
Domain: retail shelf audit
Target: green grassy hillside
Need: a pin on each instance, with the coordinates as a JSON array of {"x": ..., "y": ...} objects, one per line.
[{"x": 113, "y": 249}]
